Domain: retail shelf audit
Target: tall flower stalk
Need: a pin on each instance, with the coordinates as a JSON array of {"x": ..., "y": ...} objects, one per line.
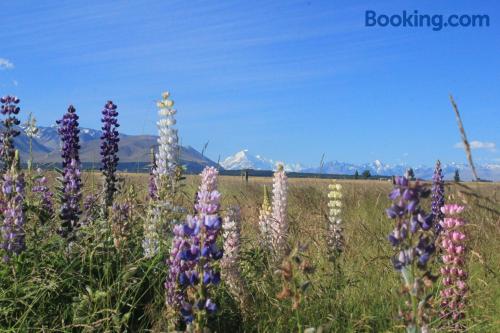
[
  {"x": 230, "y": 263},
  {"x": 168, "y": 141},
  {"x": 109, "y": 150},
  {"x": 335, "y": 237},
  {"x": 13, "y": 214},
  {"x": 453, "y": 271},
  {"x": 10, "y": 110},
  {"x": 43, "y": 197},
  {"x": 265, "y": 217},
  {"x": 279, "y": 222},
  {"x": 437, "y": 197},
  {"x": 194, "y": 255},
  {"x": 70, "y": 181},
  {"x": 413, "y": 242},
  {"x": 70, "y": 137}
]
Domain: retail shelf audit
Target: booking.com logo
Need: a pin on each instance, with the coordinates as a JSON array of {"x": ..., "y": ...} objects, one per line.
[{"x": 436, "y": 21}]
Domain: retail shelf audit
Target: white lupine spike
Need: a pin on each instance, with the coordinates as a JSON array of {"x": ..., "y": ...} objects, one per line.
[
  {"x": 279, "y": 223},
  {"x": 168, "y": 139},
  {"x": 335, "y": 238}
]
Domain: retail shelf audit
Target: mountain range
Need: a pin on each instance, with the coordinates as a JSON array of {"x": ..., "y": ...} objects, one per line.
[
  {"x": 134, "y": 155},
  {"x": 245, "y": 160},
  {"x": 134, "y": 149}
]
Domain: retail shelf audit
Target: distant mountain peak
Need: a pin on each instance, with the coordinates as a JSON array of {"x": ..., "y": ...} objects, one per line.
[{"x": 245, "y": 160}]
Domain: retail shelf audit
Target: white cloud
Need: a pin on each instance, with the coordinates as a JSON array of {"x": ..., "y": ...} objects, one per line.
[
  {"x": 478, "y": 145},
  {"x": 6, "y": 64}
]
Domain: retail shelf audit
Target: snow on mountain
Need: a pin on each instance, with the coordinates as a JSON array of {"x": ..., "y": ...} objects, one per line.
[{"x": 244, "y": 160}]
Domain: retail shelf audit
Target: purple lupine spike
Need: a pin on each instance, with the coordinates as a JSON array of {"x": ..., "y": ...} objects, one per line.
[
  {"x": 12, "y": 228},
  {"x": 71, "y": 178},
  {"x": 413, "y": 242},
  {"x": 70, "y": 136},
  {"x": 109, "y": 149},
  {"x": 10, "y": 110},
  {"x": 43, "y": 195},
  {"x": 193, "y": 253},
  {"x": 437, "y": 197},
  {"x": 70, "y": 201},
  {"x": 454, "y": 268}
]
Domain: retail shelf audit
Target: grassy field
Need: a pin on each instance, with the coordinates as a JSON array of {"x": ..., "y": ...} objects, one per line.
[{"x": 93, "y": 287}]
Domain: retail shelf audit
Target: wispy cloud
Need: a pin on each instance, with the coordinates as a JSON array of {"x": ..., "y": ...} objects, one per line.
[
  {"x": 478, "y": 145},
  {"x": 6, "y": 64}
]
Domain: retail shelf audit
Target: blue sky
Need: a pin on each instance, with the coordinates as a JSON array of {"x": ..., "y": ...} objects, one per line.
[{"x": 289, "y": 80}]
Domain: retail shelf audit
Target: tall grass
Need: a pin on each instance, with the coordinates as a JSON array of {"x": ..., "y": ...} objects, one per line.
[{"x": 93, "y": 287}]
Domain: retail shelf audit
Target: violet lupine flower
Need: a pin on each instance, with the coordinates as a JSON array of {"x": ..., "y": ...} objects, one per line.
[
  {"x": 43, "y": 195},
  {"x": 168, "y": 150},
  {"x": 10, "y": 110},
  {"x": 69, "y": 133},
  {"x": 70, "y": 200},
  {"x": 91, "y": 209},
  {"x": 437, "y": 197},
  {"x": 265, "y": 217},
  {"x": 230, "y": 263},
  {"x": 335, "y": 237},
  {"x": 279, "y": 222},
  {"x": 176, "y": 294},
  {"x": 12, "y": 228},
  {"x": 199, "y": 252},
  {"x": 71, "y": 178},
  {"x": 109, "y": 149},
  {"x": 453, "y": 271},
  {"x": 413, "y": 241}
]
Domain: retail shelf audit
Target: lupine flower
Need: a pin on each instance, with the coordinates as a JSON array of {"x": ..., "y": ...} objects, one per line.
[
  {"x": 152, "y": 223},
  {"x": 168, "y": 150},
  {"x": 176, "y": 295},
  {"x": 91, "y": 209},
  {"x": 120, "y": 223},
  {"x": 230, "y": 263},
  {"x": 10, "y": 110},
  {"x": 109, "y": 149},
  {"x": 12, "y": 228},
  {"x": 335, "y": 237},
  {"x": 69, "y": 133},
  {"x": 31, "y": 131},
  {"x": 437, "y": 196},
  {"x": 279, "y": 223},
  {"x": 265, "y": 217},
  {"x": 413, "y": 241},
  {"x": 453, "y": 271},
  {"x": 44, "y": 196},
  {"x": 70, "y": 200},
  {"x": 198, "y": 254},
  {"x": 70, "y": 180},
  {"x": 30, "y": 127}
]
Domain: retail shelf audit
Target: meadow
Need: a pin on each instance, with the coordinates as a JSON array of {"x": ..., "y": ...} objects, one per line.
[{"x": 93, "y": 286}]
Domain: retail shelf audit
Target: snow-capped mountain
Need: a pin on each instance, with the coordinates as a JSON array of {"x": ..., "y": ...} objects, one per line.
[{"x": 244, "y": 160}]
